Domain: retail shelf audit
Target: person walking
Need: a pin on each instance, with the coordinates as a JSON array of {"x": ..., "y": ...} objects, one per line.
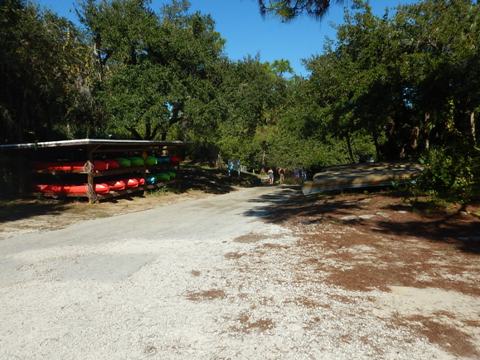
[
  {"x": 270, "y": 176},
  {"x": 281, "y": 174}
]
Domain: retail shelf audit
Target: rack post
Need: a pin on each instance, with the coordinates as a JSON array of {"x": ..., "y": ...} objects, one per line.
[
  {"x": 144, "y": 155},
  {"x": 91, "y": 193}
]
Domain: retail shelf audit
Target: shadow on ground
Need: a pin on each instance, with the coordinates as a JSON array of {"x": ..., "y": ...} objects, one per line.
[
  {"x": 212, "y": 181},
  {"x": 384, "y": 212},
  {"x": 13, "y": 210}
]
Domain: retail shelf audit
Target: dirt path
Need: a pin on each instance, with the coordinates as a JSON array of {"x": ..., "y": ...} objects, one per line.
[{"x": 249, "y": 274}]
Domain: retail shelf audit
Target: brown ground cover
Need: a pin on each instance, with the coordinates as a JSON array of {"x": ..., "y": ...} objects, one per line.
[{"x": 364, "y": 243}]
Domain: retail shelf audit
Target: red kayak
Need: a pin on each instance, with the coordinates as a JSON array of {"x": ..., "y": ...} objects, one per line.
[
  {"x": 132, "y": 183},
  {"x": 75, "y": 166},
  {"x": 52, "y": 166},
  {"x": 141, "y": 181},
  {"x": 72, "y": 189},
  {"x": 175, "y": 160},
  {"x": 112, "y": 164},
  {"x": 117, "y": 185}
]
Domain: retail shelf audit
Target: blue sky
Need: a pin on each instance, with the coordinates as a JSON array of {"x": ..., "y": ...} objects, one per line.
[{"x": 247, "y": 33}]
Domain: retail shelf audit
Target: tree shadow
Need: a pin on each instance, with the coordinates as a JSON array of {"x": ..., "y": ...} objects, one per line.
[
  {"x": 386, "y": 213},
  {"x": 289, "y": 202},
  {"x": 212, "y": 181},
  {"x": 465, "y": 235},
  {"x": 24, "y": 208}
]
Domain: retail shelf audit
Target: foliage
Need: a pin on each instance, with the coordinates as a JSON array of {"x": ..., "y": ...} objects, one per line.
[
  {"x": 446, "y": 176},
  {"x": 403, "y": 86},
  {"x": 159, "y": 69},
  {"x": 46, "y": 75},
  {"x": 289, "y": 9}
]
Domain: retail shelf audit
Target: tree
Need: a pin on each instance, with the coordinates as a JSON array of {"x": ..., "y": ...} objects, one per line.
[
  {"x": 45, "y": 74},
  {"x": 289, "y": 9},
  {"x": 162, "y": 65}
]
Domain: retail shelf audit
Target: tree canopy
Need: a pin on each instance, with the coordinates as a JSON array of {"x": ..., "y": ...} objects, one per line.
[
  {"x": 289, "y": 9},
  {"x": 401, "y": 86}
]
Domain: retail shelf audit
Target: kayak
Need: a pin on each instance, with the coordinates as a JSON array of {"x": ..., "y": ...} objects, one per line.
[
  {"x": 53, "y": 166},
  {"x": 132, "y": 183},
  {"x": 73, "y": 166},
  {"x": 136, "y": 161},
  {"x": 172, "y": 174},
  {"x": 112, "y": 164},
  {"x": 175, "y": 160},
  {"x": 151, "y": 160},
  {"x": 163, "y": 160},
  {"x": 123, "y": 162},
  {"x": 72, "y": 189},
  {"x": 151, "y": 180},
  {"x": 117, "y": 185},
  {"x": 163, "y": 176},
  {"x": 141, "y": 181}
]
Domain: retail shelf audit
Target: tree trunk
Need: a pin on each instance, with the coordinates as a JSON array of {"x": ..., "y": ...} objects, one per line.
[
  {"x": 349, "y": 147},
  {"x": 377, "y": 146},
  {"x": 472, "y": 127},
  {"x": 426, "y": 129}
]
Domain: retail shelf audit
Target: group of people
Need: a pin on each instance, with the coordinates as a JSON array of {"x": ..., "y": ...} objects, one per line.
[{"x": 299, "y": 175}]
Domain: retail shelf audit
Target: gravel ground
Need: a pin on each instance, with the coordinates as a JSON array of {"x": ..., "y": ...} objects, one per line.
[{"x": 209, "y": 278}]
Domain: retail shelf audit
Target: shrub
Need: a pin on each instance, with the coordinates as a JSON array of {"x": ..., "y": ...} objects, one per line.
[{"x": 448, "y": 173}]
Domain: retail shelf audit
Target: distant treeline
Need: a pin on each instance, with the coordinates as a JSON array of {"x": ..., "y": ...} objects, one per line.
[{"x": 402, "y": 86}]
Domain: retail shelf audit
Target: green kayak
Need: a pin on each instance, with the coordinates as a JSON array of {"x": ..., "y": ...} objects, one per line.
[
  {"x": 124, "y": 162},
  {"x": 136, "y": 161},
  {"x": 172, "y": 174},
  {"x": 163, "y": 176},
  {"x": 151, "y": 160}
]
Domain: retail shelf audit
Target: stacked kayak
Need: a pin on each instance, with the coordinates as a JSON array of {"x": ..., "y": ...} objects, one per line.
[
  {"x": 124, "y": 162},
  {"x": 72, "y": 189},
  {"x": 117, "y": 185},
  {"x": 113, "y": 182},
  {"x": 76, "y": 166},
  {"x": 109, "y": 164},
  {"x": 103, "y": 188},
  {"x": 136, "y": 161},
  {"x": 135, "y": 182},
  {"x": 151, "y": 161},
  {"x": 175, "y": 160}
]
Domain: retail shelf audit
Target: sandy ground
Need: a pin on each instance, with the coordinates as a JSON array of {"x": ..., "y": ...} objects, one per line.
[{"x": 249, "y": 274}]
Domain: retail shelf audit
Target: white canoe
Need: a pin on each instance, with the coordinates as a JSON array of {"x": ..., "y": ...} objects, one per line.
[{"x": 360, "y": 176}]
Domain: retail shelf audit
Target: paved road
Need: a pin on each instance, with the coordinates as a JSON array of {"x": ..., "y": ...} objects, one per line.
[{"x": 128, "y": 286}]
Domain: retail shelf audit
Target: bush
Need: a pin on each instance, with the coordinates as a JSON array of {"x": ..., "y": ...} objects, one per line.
[{"x": 448, "y": 173}]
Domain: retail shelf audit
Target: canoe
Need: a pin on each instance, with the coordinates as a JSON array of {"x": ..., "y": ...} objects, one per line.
[
  {"x": 71, "y": 189},
  {"x": 123, "y": 162},
  {"x": 361, "y": 176},
  {"x": 151, "y": 160},
  {"x": 117, "y": 185},
  {"x": 136, "y": 161}
]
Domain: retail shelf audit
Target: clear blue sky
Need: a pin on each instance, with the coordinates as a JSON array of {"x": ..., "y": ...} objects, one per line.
[{"x": 247, "y": 33}]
